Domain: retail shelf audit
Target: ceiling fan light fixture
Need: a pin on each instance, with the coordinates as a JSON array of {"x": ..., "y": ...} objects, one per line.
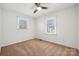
[{"x": 39, "y": 8}]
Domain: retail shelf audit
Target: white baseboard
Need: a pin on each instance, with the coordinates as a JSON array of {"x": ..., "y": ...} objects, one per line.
[
  {"x": 61, "y": 43},
  {"x": 14, "y": 42},
  {"x": 39, "y": 38}
]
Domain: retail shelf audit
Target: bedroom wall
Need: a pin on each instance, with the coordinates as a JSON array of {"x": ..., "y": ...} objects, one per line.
[
  {"x": 10, "y": 33},
  {"x": 0, "y": 30},
  {"x": 0, "y": 24},
  {"x": 78, "y": 26},
  {"x": 66, "y": 27}
]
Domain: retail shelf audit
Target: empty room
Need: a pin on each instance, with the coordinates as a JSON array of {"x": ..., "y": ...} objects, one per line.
[{"x": 39, "y": 29}]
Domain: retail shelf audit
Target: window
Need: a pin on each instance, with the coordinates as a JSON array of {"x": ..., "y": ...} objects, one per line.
[{"x": 51, "y": 26}]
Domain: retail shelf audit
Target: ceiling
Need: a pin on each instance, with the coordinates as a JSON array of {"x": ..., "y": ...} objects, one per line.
[{"x": 28, "y": 8}]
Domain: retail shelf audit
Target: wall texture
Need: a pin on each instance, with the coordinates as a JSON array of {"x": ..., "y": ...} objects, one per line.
[
  {"x": 10, "y": 33},
  {"x": 0, "y": 24},
  {"x": 66, "y": 27},
  {"x": 0, "y": 30},
  {"x": 78, "y": 26}
]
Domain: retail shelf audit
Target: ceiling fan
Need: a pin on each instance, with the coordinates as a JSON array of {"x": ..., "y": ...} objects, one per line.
[{"x": 39, "y": 7}]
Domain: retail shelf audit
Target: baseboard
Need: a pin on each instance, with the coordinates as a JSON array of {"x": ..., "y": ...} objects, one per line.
[
  {"x": 15, "y": 42},
  {"x": 58, "y": 44},
  {"x": 40, "y": 40}
]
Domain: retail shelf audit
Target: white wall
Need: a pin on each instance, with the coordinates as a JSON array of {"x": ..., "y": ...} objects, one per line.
[
  {"x": 0, "y": 26},
  {"x": 66, "y": 27},
  {"x": 0, "y": 30},
  {"x": 78, "y": 26},
  {"x": 10, "y": 33}
]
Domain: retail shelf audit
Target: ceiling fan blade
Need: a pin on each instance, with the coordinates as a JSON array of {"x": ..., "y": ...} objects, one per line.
[
  {"x": 44, "y": 7},
  {"x": 37, "y": 4},
  {"x": 35, "y": 11}
]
